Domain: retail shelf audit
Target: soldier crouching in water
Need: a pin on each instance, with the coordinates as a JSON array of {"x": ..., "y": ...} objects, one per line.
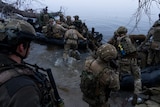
[
  {"x": 127, "y": 59},
  {"x": 21, "y": 85},
  {"x": 100, "y": 77},
  {"x": 71, "y": 42}
]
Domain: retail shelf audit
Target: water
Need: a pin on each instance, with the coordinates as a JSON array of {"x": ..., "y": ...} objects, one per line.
[{"x": 67, "y": 75}]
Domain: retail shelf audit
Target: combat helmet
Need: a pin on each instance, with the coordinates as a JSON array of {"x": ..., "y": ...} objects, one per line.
[
  {"x": 68, "y": 17},
  {"x": 106, "y": 52},
  {"x": 122, "y": 30},
  {"x": 15, "y": 31},
  {"x": 76, "y": 17}
]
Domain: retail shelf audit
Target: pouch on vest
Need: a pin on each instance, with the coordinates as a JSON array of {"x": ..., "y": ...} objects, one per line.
[{"x": 127, "y": 45}]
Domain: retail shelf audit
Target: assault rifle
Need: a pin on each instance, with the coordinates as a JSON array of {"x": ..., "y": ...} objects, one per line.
[{"x": 59, "y": 102}]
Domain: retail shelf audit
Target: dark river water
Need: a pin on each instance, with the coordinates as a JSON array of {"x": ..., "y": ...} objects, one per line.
[{"x": 67, "y": 75}]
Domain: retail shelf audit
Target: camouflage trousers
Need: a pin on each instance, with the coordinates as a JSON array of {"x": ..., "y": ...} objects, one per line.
[
  {"x": 70, "y": 49},
  {"x": 129, "y": 65}
]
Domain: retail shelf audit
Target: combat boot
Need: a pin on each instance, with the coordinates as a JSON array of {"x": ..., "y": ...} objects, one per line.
[{"x": 136, "y": 100}]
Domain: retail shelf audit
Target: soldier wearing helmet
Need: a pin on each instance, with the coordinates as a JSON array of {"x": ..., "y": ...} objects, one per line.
[
  {"x": 153, "y": 39},
  {"x": 99, "y": 78},
  {"x": 71, "y": 43},
  {"x": 128, "y": 60},
  {"x": 78, "y": 24},
  {"x": 44, "y": 17},
  {"x": 62, "y": 18},
  {"x": 69, "y": 21},
  {"x": 18, "y": 81}
]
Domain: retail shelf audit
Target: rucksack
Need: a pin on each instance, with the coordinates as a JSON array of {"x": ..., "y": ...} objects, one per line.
[{"x": 88, "y": 84}]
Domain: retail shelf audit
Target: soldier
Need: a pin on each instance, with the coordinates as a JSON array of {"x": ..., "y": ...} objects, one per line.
[
  {"x": 20, "y": 85},
  {"x": 44, "y": 17},
  {"x": 127, "y": 59},
  {"x": 62, "y": 18},
  {"x": 113, "y": 40},
  {"x": 78, "y": 24},
  {"x": 69, "y": 21},
  {"x": 71, "y": 42},
  {"x": 100, "y": 77},
  {"x": 55, "y": 30},
  {"x": 153, "y": 39}
]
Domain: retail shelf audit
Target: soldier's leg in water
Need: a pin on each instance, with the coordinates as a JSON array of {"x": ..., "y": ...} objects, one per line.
[
  {"x": 66, "y": 52},
  {"x": 75, "y": 54},
  {"x": 137, "y": 80}
]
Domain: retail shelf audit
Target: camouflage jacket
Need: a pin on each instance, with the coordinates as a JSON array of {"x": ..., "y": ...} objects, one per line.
[{"x": 21, "y": 86}]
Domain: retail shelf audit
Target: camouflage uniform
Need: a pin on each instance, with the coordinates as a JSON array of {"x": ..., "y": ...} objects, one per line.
[
  {"x": 44, "y": 17},
  {"x": 55, "y": 30},
  {"x": 71, "y": 41},
  {"x": 69, "y": 21},
  {"x": 18, "y": 81},
  {"x": 62, "y": 19},
  {"x": 154, "y": 51},
  {"x": 78, "y": 24},
  {"x": 153, "y": 40},
  {"x": 128, "y": 58},
  {"x": 96, "y": 92},
  {"x": 152, "y": 98}
]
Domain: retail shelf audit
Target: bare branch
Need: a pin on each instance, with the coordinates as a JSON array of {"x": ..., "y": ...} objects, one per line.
[{"x": 144, "y": 8}]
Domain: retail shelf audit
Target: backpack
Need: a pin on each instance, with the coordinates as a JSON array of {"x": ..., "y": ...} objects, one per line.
[{"x": 89, "y": 83}]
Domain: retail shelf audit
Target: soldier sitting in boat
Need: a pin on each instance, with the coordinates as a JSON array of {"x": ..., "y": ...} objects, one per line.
[
  {"x": 94, "y": 40},
  {"x": 69, "y": 21},
  {"x": 78, "y": 24},
  {"x": 84, "y": 29},
  {"x": 62, "y": 18},
  {"x": 44, "y": 17},
  {"x": 54, "y": 30}
]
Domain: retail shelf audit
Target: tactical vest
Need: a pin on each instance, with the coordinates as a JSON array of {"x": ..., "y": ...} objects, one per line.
[
  {"x": 14, "y": 73},
  {"x": 126, "y": 46}
]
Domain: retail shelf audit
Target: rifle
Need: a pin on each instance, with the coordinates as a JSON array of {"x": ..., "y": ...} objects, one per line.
[{"x": 59, "y": 102}]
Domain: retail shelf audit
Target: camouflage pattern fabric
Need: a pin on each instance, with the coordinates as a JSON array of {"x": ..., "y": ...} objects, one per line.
[
  {"x": 128, "y": 62},
  {"x": 97, "y": 80}
]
